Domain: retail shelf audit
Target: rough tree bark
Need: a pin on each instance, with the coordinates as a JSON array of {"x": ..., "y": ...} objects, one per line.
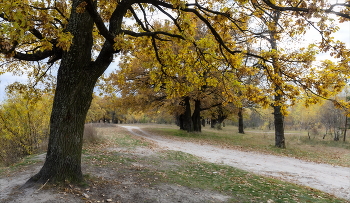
[
  {"x": 196, "y": 116},
  {"x": 279, "y": 126},
  {"x": 187, "y": 119},
  {"x": 77, "y": 76}
]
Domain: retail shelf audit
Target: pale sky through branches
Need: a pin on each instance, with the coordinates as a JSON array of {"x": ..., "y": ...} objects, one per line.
[{"x": 312, "y": 36}]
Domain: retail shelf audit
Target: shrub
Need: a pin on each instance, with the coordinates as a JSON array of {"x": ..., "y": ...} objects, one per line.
[
  {"x": 90, "y": 134},
  {"x": 24, "y": 126}
]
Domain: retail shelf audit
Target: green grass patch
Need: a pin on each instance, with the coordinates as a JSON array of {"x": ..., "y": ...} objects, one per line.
[
  {"x": 327, "y": 143},
  {"x": 26, "y": 161},
  {"x": 129, "y": 141},
  {"x": 240, "y": 185},
  {"x": 179, "y": 156}
]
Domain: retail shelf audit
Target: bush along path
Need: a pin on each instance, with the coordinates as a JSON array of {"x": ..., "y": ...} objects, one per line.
[{"x": 331, "y": 179}]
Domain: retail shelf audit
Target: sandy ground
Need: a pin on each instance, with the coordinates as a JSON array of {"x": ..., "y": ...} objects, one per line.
[
  {"x": 108, "y": 184},
  {"x": 331, "y": 179}
]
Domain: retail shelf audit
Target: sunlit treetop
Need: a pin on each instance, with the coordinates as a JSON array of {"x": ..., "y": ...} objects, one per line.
[{"x": 37, "y": 30}]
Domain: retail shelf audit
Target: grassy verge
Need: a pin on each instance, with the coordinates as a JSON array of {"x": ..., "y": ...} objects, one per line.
[
  {"x": 240, "y": 185},
  {"x": 26, "y": 161},
  {"x": 298, "y": 144},
  {"x": 183, "y": 169}
]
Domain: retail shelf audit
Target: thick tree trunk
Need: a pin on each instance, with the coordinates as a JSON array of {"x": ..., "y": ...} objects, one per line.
[
  {"x": 203, "y": 122},
  {"x": 213, "y": 122},
  {"x": 63, "y": 159},
  {"x": 75, "y": 83},
  {"x": 196, "y": 116},
  {"x": 180, "y": 121},
  {"x": 187, "y": 119},
  {"x": 220, "y": 122},
  {"x": 240, "y": 121}
]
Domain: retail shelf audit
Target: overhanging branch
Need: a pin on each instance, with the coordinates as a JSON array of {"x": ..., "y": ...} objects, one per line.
[
  {"x": 306, "y": 10},
  {"x": 154, "y": 34},
  {"x": 98, "y": 21}
]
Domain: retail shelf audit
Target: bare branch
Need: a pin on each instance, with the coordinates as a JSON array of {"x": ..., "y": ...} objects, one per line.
[
  {"x": 155, "y": 33},
  {"x": 37, "y": 56},
  {"x": 42, "y": 75},
  {"x": 169, "y": 16},
  {"x": 306, "y": 10},
  {"x": 99, "y": 22},
  {"x": 138, "y": 19}
]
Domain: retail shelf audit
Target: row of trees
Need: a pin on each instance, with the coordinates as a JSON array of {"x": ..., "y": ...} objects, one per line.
[
  {"x": 115, "y": 110},
  {"x": 210, "y": 53},
  {"x": 321, "y": 119},
  {"x": 24, "y": 118}
]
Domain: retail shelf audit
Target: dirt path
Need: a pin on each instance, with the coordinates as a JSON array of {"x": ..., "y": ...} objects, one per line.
[{"x": 331, "y": 179}]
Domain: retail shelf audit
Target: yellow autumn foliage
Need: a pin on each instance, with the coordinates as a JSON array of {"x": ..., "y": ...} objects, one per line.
[{"x": 24, "y": 125}]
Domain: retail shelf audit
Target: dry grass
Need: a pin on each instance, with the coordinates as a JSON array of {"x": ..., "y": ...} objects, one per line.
[
  {"x": 298, "y": 143},
  {"x": 91, "y": 134}
]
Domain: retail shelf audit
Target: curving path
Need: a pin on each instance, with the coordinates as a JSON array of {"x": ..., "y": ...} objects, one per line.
[{"x": 324, "y": 177}]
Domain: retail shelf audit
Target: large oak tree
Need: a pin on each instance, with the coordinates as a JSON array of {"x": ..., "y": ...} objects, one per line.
[{"x": 82, "y": 37}]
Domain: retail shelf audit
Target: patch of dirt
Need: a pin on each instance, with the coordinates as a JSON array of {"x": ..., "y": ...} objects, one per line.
[
  {"x": 114, "y": 183},
  {"x": 11, "y": 183}
]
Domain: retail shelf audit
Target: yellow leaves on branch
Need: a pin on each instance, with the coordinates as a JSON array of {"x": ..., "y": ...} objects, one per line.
[
  {"x": 311, "y": 100},
  {"x": 17, "y": 14},
  {"x": 178, "y": 4},
  {"x": 64, "y": 40},
  {"x": 106, "y": 8},
  {"x": 47, "y": 18},
  {"x": 123, "y": 43}
]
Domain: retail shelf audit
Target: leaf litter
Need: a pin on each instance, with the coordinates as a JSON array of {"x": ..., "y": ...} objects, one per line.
[{"x": 115, "y": 175}]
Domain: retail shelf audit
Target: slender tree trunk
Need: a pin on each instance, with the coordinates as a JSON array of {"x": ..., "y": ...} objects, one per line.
[
  {"x": 279, "y": 128},
  {"x": 196, "y": 116},
  {"x": 240, "y": 121},
  {"x": 240, "y": 118},
  {"x": 278, "y": 116},
  {"x": 345, "y": 128}
]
